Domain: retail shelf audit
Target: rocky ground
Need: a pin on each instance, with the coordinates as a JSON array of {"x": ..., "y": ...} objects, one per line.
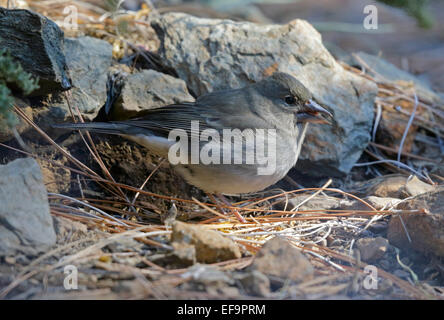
[{"x": 339, "y": 226}]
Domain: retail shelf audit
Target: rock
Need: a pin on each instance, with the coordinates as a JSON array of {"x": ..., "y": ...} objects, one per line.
[
  {"x": 25, "y": 222},
  {"x": 385, "y": 264},
  {"x": 400, "y": 273},
  {"x": 392, "y": 124},
  {"x": 372, "y": 249},
  {"x": 209, "y": 279},
  {"x": 210, "y": 245},
  {"x": 387, "y": 186},
  {"x": 278, "y": 258},
  {"x": 426, "y": 230},
  {"x": 128, "y": 260},
  {"x": 414, "y": 187},
  {"x": 212, "y": 54},
  {"x": 254, "y": 282},
  {"x": 379, "y": 227},
  {"x": 320, "y": 202},
  {"x": 149, "y": 89},
  {"x": 390, "y": 72},
  {"x": 88, "y": 60},
  {"x": 129, "y": 288},
  {"x": 396, "y": 186},
  {"x": 208, "y": 276},
  {"x": 324, "y": 202},
  {"x": 379, "y": 203},
  {"x": 37, "y": 43},
  {"x": 184, "y": 255},
  {"x": 146, "y": 59},
  {"x": 125, "y": 245},
  {"x": 68, "y": 230}
]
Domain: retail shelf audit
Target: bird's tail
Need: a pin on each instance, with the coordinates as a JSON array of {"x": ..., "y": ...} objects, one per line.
[{"x": 100, "y": 127}]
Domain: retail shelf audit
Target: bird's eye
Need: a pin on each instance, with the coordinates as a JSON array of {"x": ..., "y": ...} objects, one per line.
[{"x": 290, "y": 100}]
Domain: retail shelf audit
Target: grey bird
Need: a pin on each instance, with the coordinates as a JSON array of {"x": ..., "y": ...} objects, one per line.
[{"x": 278, "y": 103}]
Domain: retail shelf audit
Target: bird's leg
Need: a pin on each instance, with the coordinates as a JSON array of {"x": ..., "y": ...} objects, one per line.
[
  {"x": 213, "y": 199},
  {"x": 226, "y": 202},
  {"x": 234, "y": 211}
]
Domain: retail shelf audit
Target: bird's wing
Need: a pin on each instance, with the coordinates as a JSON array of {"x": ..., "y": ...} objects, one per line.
[
  {"x": 219, "y": 110},
  {"x": 162, "y": 121}
]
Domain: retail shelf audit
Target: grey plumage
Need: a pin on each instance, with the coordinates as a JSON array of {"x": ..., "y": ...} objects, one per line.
[{"x": 279, "y": 102}]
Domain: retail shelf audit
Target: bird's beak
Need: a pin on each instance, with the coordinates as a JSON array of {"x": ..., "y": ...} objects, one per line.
[{"x": 314, "y": 113}]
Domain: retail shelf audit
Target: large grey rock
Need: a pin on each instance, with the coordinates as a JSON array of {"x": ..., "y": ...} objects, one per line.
[
  {"x": 37, "y": 43},
  {"x": 25, "y": 222},
  {"x": 212, "y": 54},
  {"x": 88, "y": 60}
]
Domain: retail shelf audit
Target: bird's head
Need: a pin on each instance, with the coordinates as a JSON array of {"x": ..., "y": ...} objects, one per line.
[{"x": 293, "y": 97}]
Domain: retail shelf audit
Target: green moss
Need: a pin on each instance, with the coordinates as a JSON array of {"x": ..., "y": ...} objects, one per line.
[{"x": 12, "y": 75}]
